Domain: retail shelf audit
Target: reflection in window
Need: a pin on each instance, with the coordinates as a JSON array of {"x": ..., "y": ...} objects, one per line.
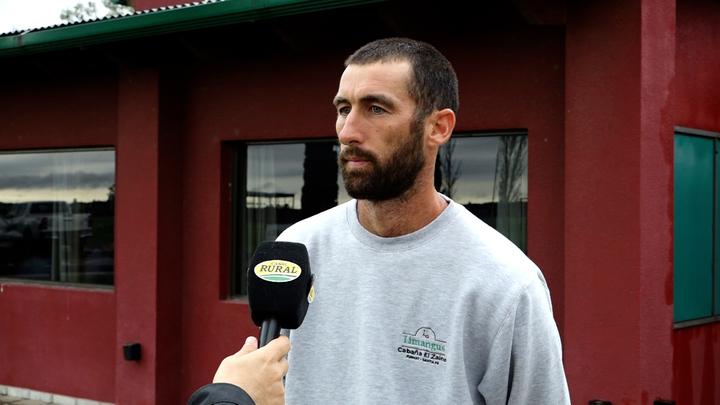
[
  {"x": 56, "y": 215},
  {"x": 282, "y": 183},
  {"x": 488, "y": 175}
]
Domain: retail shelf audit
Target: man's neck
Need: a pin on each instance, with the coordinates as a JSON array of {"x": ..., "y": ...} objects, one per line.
[{"x": 402, "y": 215}]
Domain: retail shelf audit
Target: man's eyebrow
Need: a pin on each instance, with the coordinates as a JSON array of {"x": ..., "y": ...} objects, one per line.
[
  {"x": 378, "y": 98},
  {"x": 339, "y": 100},
  {"x": 367, "y": 99}
]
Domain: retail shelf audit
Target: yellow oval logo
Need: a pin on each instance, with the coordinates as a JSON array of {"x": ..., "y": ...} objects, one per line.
[{"x": 277, "y": 271}]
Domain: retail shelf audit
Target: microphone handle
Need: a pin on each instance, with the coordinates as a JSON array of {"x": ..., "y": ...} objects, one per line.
[{"x": 269, "y": 330}]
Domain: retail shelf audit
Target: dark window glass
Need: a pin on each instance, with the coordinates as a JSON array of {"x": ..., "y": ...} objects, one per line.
[
  {"x": 488, "y": 175},
  {"x": 56, "y": 215},
  {"x": 278, "y": 184},
  {"x": 696, "y": 281}
]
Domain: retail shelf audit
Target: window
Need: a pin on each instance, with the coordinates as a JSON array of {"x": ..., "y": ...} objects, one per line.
[
  {"x": 56, "y": 215},
  {"x": 278, "y": 184},
  {"x": 696, "y": 298},
  {"x": 488, "y": 175}
]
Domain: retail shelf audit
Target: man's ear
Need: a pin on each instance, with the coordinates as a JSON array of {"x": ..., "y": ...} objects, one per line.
[{"x": 442, "y": 124}]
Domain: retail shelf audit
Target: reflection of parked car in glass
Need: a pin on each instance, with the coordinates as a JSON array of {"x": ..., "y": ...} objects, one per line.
[
  {"x": 47, "y": 220},
  {"x": 9, "y": 236}
]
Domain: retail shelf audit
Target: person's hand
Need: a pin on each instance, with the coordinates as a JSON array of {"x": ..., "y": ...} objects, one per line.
[{"x": 259, "y": 372}]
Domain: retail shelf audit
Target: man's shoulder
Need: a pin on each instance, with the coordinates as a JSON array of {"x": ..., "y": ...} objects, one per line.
[
  {"x": 475, "y": 241},
  {"x": 475, "y": 234}
]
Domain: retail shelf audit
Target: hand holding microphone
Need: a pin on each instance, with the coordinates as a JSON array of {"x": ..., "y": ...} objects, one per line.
[
  {"x": 258, "y": 372},
  {"x": 279, "y": 291},
  {"x": 251, "y": 376}
]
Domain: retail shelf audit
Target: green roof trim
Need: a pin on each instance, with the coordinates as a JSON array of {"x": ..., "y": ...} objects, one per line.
[{"x": 163, "y": 21}]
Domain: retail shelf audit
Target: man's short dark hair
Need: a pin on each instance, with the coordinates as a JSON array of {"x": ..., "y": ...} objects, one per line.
[{"x": 433, "y": 83}]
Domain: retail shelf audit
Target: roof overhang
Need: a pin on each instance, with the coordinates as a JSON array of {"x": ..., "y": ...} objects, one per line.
[{"x": 161, "y": 22}]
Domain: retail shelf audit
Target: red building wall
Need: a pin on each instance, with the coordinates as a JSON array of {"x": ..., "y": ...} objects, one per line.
[
  {"x": 634, "y": 70},
  {"x": 618, "y": 200},
  {"x": 657, "y": 31},
  {"x": 601, "y": 208},
  {"x": 148, "y": 4},
  {"x": 696, "y": 350}
]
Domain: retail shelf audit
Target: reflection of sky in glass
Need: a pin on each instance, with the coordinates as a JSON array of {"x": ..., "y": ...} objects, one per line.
[
  {"x": 277, "y": 169},
  {"x": 82, "y": 175},
  {"x": 477, "y": 157}
]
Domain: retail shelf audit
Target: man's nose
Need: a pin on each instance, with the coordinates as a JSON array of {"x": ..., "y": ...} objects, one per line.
[{"x": 349, "y": 129}]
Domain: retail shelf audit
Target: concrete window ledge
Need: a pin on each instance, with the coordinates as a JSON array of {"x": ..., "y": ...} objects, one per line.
[{"x": 23, "y": 396}]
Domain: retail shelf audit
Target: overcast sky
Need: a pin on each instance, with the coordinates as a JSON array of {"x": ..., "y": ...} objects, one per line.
[
  {"x": 74, "y": 175},
  {"x": 23, "y": 14}
]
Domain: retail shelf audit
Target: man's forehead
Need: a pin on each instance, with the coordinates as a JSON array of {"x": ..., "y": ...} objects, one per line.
[
  {"x": 381, "y": 68},
  {"x": 377, "y": 78}
]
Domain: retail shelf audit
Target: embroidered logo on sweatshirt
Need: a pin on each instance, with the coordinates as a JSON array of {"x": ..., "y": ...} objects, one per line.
[{"x": 423, "y": 346}]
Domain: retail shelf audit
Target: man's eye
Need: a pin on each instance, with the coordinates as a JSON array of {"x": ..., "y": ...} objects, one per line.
[
  {"x": 377, "y": 110},
  {"x": 344, "y": 111}
]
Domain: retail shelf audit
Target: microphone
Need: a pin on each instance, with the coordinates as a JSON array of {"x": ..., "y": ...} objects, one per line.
[{"x": 279, "y": 287}]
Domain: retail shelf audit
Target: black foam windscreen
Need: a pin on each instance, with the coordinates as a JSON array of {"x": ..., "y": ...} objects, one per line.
[{"x": 279, "y": 283}]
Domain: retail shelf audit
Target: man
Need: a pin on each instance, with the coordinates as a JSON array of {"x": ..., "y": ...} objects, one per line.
[
  {"x": 418, "y": 301},
  {"x": 249, "y": 376}
]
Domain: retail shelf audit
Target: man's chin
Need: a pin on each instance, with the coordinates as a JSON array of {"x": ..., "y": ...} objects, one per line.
[{"x": 357, "y": 187}]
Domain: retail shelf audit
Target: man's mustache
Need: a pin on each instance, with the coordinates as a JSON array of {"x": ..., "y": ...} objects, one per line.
[{"x": 354, "y": 152}]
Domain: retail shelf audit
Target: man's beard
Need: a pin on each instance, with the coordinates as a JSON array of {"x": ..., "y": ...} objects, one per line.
[{"x": 389, "y": 180}]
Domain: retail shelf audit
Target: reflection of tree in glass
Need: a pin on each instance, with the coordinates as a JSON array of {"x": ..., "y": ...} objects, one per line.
[
  {"x": 111, "y": 193},
  {"x": 320, "y": 188},
  {"x": 449, "y": 172},
  {"x": 510, "y": 167}
]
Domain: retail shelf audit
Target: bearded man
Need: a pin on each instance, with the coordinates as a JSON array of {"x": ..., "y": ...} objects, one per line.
[{"x": 418, "y": 301}]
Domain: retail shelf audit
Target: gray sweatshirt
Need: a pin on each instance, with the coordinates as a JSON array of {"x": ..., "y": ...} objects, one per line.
[{"x": 453, "y": 313}]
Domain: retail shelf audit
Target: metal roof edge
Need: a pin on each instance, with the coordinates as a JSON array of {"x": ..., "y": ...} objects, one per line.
[{"x": 162, "y": 22}]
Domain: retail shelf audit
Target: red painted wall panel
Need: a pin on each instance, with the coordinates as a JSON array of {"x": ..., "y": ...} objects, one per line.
[
  {"x": 170, "y": 230},
  {"x": 696, "y": 350},
  {"x": 602, "y": 179},
  {"x": 58, "y": 339},
  {"x": 137, "y": 229},
  {"x": 148, "y": 4},
  {"x": 655, "y": 198},
  {"x": 696, "y": 365},
  {"x": 697, "y": 101},
  {"x": 43, "y": 111}
]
